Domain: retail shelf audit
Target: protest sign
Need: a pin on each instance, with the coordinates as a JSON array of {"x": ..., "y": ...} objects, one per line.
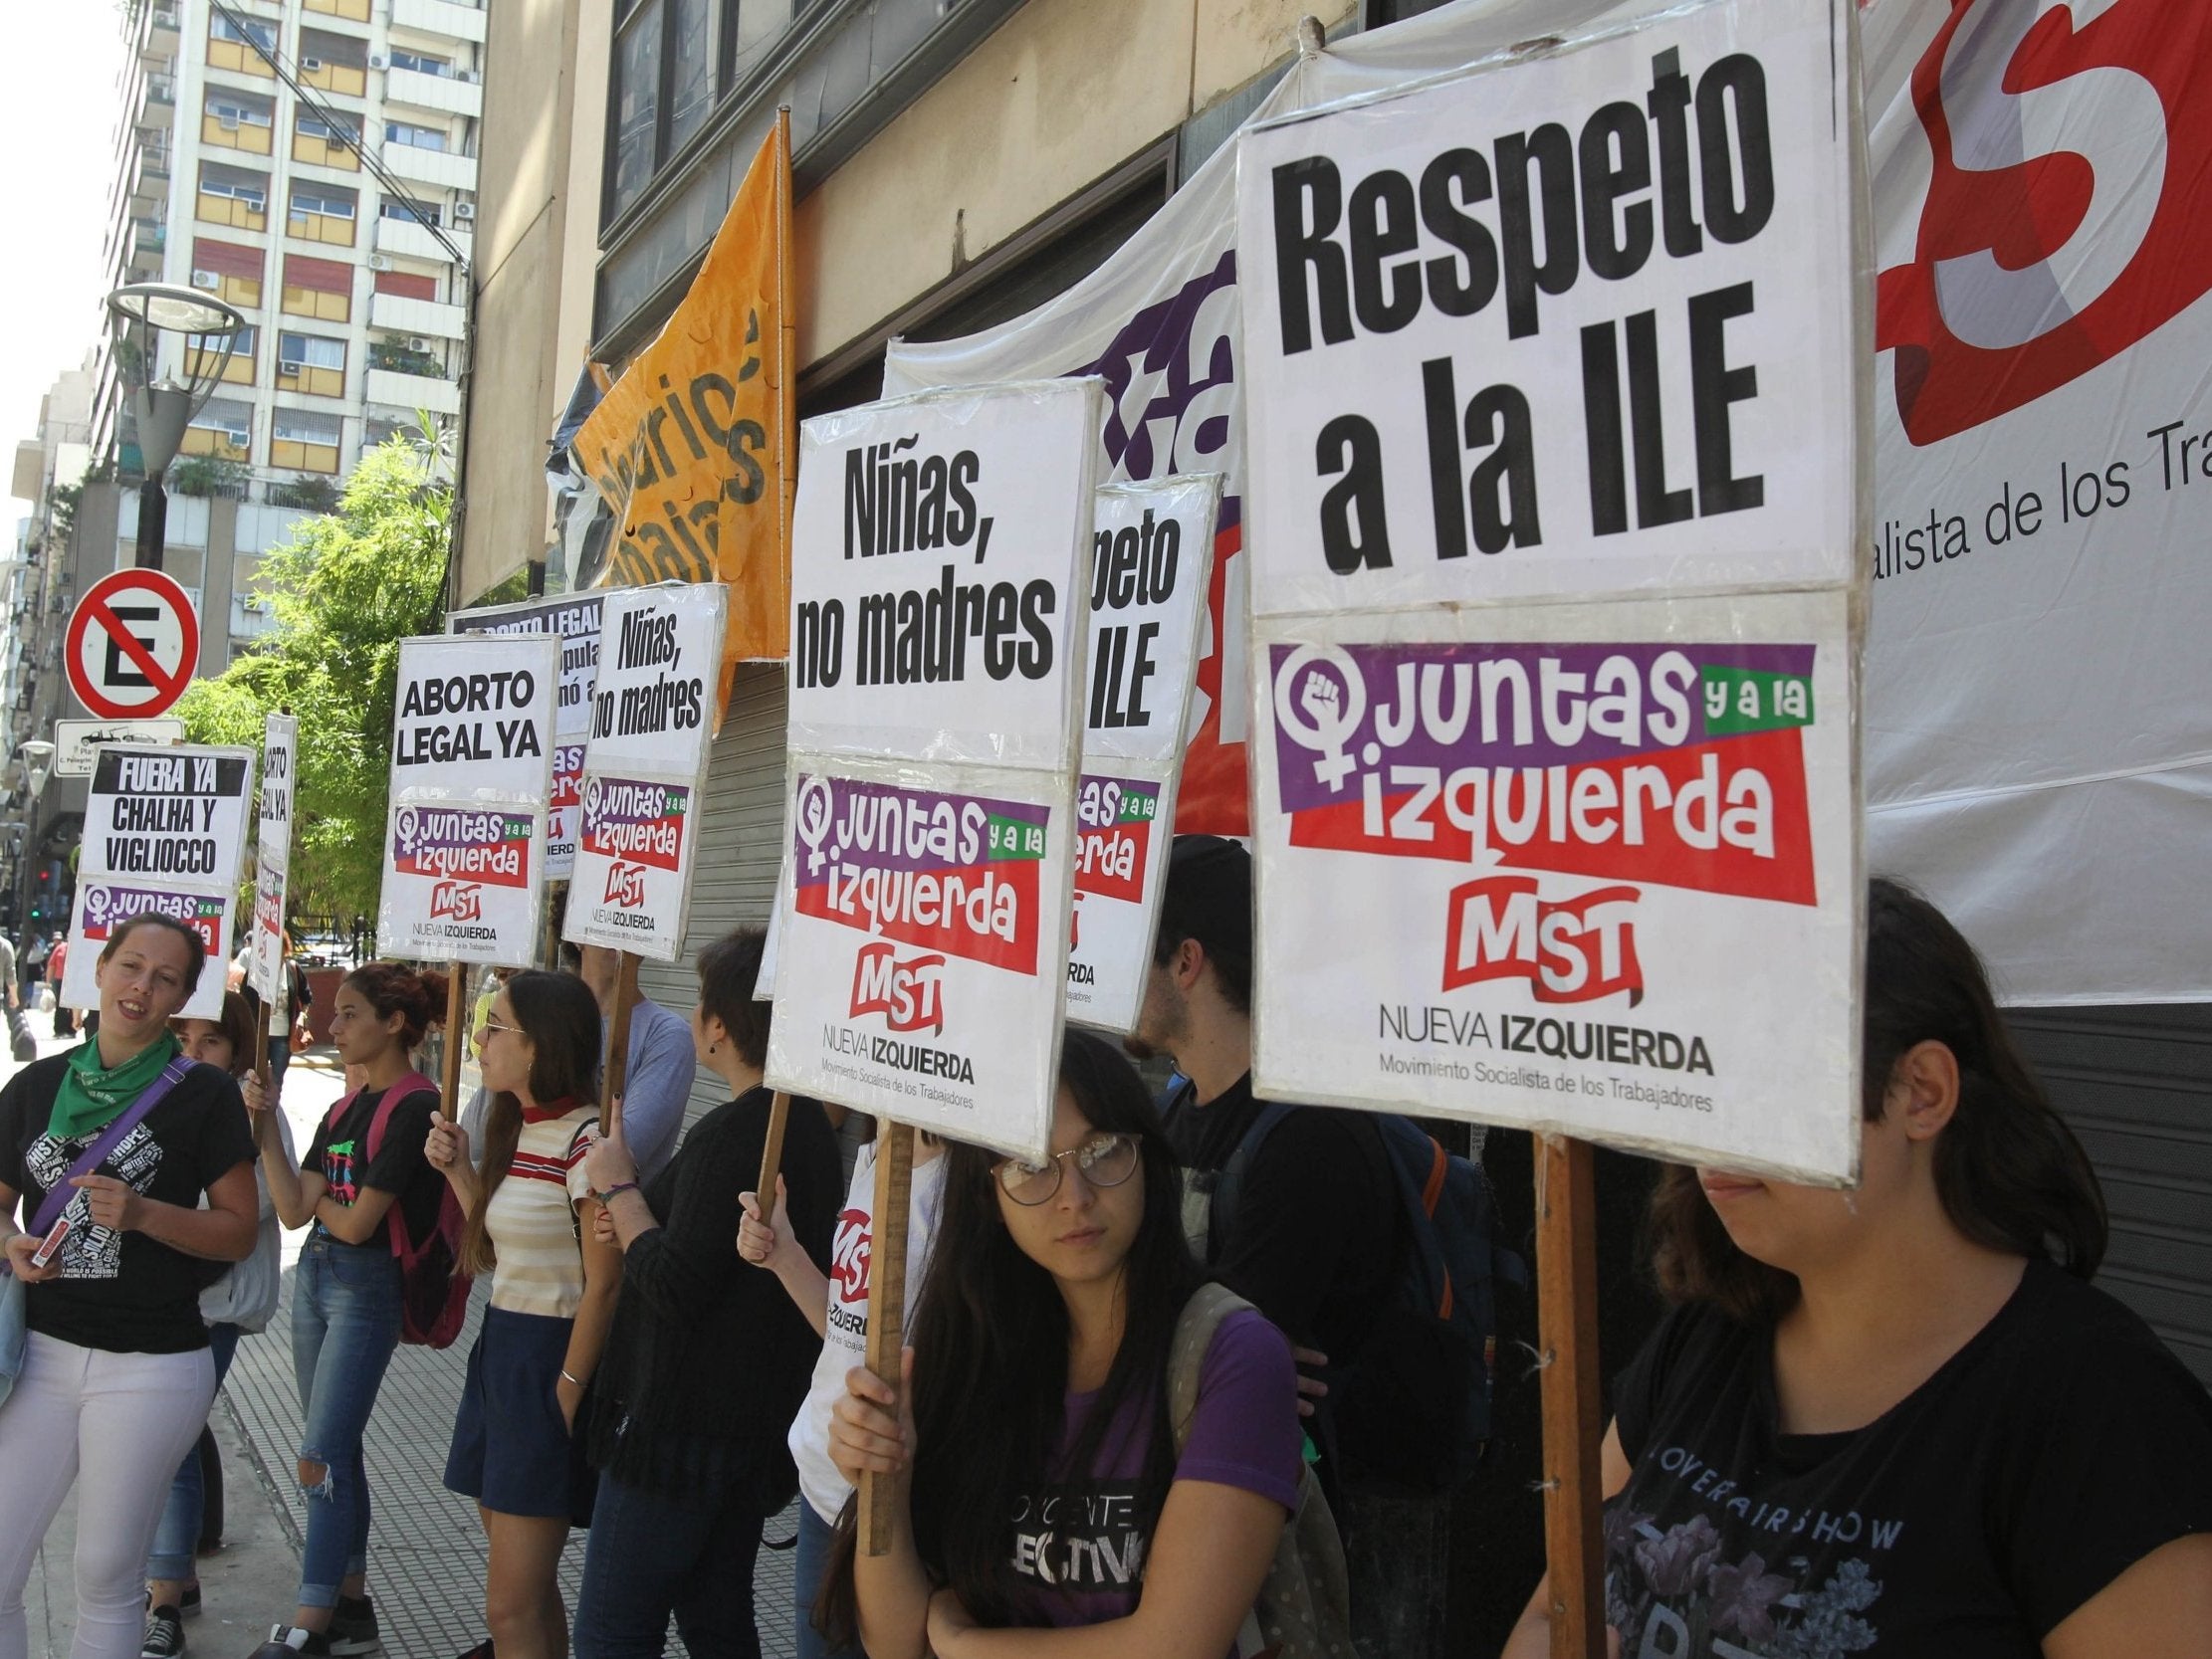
[
  {"x": 575, "y": 619},
  {"x": 1152, "y": 559},
  {"x": 472, "y": 765},
  {"x": 938, "y": 634},
  {"x": 1522, "y": 851},
  {"x": 279, "y": 755},
  {"x": 164, "y": 832},
  {"x": 651, "y": 725}
]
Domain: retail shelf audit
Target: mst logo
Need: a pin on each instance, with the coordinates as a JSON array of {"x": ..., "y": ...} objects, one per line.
[
  {"x": 625, "y": 884},
  {"x": 909, "y": 994},
  {"x": 457, "y": 901},
  {"x": 1569, "y": 950},
  {"x": 849, "y": 1255},
  {"x": 2068, "y": 159}
]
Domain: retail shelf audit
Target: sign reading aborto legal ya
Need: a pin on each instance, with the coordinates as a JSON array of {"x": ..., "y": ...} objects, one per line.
[
  {"x": 471, "y": 781},
  {"x": 938, "y": 632},
  {"x": 652, "y": 718},
  {"x": 1557, "y": 437}
]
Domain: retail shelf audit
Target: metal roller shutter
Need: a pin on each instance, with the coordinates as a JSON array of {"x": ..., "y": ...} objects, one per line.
[
  {"x": 735, "y": 880},
  {"x": 2136, "y": 1084}
]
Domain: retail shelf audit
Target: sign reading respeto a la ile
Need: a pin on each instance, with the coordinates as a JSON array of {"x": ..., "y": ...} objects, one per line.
[
  {"x": 132, "y": 645},
  {"x": 939, "y": 631},
  {"x": 1555, "y": 420}
]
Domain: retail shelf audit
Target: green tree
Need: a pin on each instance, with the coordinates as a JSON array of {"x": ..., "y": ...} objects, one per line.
[{"x": 347, "y": 588}]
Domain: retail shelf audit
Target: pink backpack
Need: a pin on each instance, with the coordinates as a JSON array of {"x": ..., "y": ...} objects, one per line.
[{"x": 434, "y": 1293}]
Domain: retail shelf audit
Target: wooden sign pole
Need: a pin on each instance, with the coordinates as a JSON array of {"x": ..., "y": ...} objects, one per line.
[
  {"x": 1567, "y": 1315},
  {"x": 771, "y": 1154},
  {"x": 456, "y": 1035},
  {"x": 886, "y": 1308},
  {"x": 618, "y": 1042}
]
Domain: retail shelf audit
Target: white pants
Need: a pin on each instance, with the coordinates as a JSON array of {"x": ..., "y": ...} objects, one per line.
[{"x": 123, "y": 1422}]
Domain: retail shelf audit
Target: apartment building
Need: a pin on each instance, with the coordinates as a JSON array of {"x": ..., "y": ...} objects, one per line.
[{"x": 240, "y": 171}]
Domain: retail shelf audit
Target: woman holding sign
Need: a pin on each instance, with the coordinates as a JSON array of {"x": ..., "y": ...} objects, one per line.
[
  {"x": 708, "y": 1359},
  {"x": 362, "y": 1174},
  {"x": 1900, "y": 1419},
  {"x": 553, "y": 1284},
  {"x": 110, "y": 1148},
  {"x": 1049, "y": 1480}
]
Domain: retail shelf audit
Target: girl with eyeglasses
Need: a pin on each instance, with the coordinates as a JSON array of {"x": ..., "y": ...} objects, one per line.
[
  {"x": 1041, "y": 1504},
  {"x": 530, "y": 1214}
]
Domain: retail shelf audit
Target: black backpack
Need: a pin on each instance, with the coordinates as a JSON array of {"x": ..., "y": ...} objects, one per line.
[{"x": 1429, "y": 1367}]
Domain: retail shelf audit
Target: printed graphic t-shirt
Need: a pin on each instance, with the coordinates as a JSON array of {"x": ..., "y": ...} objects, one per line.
[
  {"x": 532, "y": 1218},
  {"x": 2059, "y": 1447},
  {"x": 1078, "y": 1542},
  {"x": 845, "y": 1340},
  {"x": 339, "y": 1155},
  {"x": 125, "y": 1293}
]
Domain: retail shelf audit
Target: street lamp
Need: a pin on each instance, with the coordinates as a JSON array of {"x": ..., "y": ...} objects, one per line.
[{"x": 162, "y": 403}]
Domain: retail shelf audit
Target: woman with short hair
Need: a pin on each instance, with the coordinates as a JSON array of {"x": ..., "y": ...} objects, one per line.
[
  {"x": 117, "y": 1375},
  {"x": 1899, "y": 1419}
]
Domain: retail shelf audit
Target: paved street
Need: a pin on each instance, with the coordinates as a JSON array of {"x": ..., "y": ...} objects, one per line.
[{"x": 426, "y": 1558}]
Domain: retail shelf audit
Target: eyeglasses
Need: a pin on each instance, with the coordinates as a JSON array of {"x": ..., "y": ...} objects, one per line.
[
  {"x": 491, "y": 1024},
  {"x": 1105, "y": 1160}
]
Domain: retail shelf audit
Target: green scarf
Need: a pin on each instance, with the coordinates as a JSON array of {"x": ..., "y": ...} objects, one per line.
[{"x": 92, "y": 1095}]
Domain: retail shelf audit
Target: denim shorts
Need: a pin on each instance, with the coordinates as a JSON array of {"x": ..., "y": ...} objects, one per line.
[{"x": 511, "y": 1451}]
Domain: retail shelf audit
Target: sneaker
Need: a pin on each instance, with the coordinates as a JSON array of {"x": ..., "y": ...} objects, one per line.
[
  {"x": 291, "y": 1642},
  {"x": 165, "y": 1634},
  {"x": 354, "y": 1627},
  {"x": 189, "y": 1602}
]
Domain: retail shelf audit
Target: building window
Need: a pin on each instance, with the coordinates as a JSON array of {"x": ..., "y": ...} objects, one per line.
[
  {"x": 323, "y": 213},
  {"x": 692, "y": 92},
  {"x": 357, "y": 10},
  {"x": 229, "y": 196},
  {"x": 228, "y": 269},
  {"x": 634, "y": 107},
  {"x": 326, "y": 143},
  {"x": 305, "y": 442},
  {"x": 311, "y": 363},
  {"x": 404, "y": 356},
  {"x": 423, "y": 63},
  {"x": 234, "y": 121},
  {"x": 232, "y": 46},
  {"x": 222, "y": 429},
  {"x": 334, "y": 62},
  {"x": 420, "y": 138},
  {"x": 430, "y": 213},
  {"x": 239, "y": 372}
]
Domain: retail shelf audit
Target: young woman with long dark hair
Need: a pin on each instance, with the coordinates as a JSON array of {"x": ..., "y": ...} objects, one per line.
[
  {"x": 708, "y": 1359},
  {"x": 1047, "y": 1507},
  {"x": 347, "y": 1291},
  {"x": 1900, "y": 1419},
  {"x": 241, "y": 1301},
  {"x": 553, "y": 1286},
  {"x": 117, "y": 1375}
]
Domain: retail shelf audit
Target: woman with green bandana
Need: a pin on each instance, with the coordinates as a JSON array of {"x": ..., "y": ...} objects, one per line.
[{"x": 117, "y": 1377}]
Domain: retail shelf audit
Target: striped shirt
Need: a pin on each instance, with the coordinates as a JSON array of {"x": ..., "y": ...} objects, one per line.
[{"x": 533, "y": 1219}]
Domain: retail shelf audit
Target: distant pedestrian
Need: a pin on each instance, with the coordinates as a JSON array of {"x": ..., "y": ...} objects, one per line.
[
  {"x": 363, "y": 1174},
  {"x": 656, "y": 1088},
  {"x": 117, "y": 1374},
  {"x": 530, "y": 1229},
  {"x": 241, "y": 1301},
  {"x": 56, "y": 964},
  {"x": 708, "y": 1361}
]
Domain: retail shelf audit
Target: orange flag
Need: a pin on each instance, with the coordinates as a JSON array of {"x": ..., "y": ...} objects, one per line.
[{"x": 693, "y": 447}]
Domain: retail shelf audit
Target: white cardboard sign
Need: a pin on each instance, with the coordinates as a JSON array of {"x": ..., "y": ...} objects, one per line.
[
  {"x": 280, "y": 763},
  {"x": 1589, "y": 866},
  {"x": 574, "y": 618},
  {"x": 1152, "y": 559},
  {"x": 652, "y": 722},
  {"x": 938, "y": 636},
  {"x": 164, "y": 831},
  {"x": 472, "y": 765}
]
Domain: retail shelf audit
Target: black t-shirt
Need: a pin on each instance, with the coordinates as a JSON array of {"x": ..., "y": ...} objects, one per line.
[
  {"x": 1315, "y": 1240},
  {"x": 339, "y": 1155},
  {"x": 125, "y": 1293},
  {"x": 2057, "y": 1448}
]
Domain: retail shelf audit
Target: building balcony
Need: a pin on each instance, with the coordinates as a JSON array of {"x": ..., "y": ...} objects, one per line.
[
  {"x": 346, "y": 80},
  {"x": 425, "y": 317},
  {"x": 335, "y": 229},
  {"x": 251, "y": 138},
  {"x": 442, "y": 169},
  {"x": 437, "y": 17},
  {"x": 159, "y": 43},
  {"x": 353, "y": 11},
  {"x": 318, "y": 152},
  {"x": 230, "y": 210},
  {"x": 416, "y": 241},
  {"x": 447, "y": 93},
  {"x": 239, "y": 59},
  {"x": 310, "y": 379},
  {"x": 410, "y": 392}
]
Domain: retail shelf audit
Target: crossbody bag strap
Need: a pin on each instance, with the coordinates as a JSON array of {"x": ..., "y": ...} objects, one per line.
[{"x": 93, "y": 1156}]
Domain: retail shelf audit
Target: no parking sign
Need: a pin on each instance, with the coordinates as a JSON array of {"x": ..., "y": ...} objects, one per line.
[{"x": 132, "y": 645}]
